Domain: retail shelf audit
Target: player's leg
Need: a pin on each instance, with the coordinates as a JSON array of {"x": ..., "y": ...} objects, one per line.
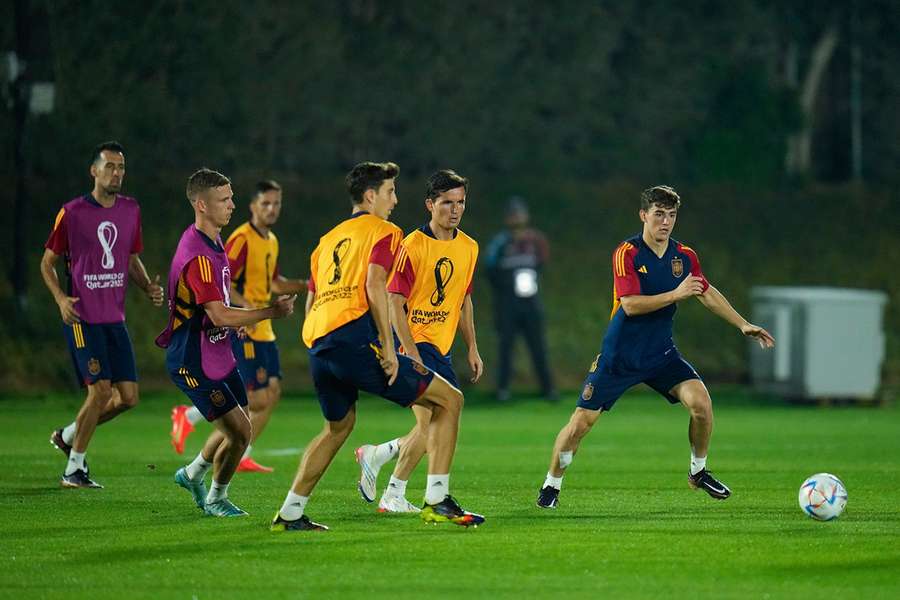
[
  {"x": 564, "y": 449},
  {"x": 602, "y": 388},
  {"x": 337, "y": 400},
  {"x": 76, "y": 472},
  {"x": 262, "y": 403},
  {"x": 412, "y": 448},
  {"x": 446, "y": 404},
  {"x": 227, "y": 448},
  {"x": 694, "y": 396},
  {"x": 679, "y": 383}
]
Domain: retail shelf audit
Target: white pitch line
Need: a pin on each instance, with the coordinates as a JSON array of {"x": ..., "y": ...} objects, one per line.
[{"x": 281, "y": 452}]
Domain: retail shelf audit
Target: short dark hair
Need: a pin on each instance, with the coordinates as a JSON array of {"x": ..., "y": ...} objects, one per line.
[
  {"x": 111, "y": 145},
  {"x": 266, "y": 185},
  {"x": 444, "y": 181},
  {"x": 369, "y": 176},
  {"x": 204, "y": 179},
  {"x": 661, "y": 195}
]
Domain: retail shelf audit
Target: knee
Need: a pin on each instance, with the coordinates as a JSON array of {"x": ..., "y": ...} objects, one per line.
[
  {"x": 700, "y": 406},
  {"x": 100, "y": 392},
  {"x": 580, "y": 425},
  {"x": 340, "y": 430},
  {"x": 243, "y": 434},
  {"x": 129, "y": 399}
]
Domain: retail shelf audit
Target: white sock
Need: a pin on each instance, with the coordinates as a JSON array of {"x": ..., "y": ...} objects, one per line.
[
  {"x": 247, "y": 452},
  {"x": 198, "y": 468},
  {"x": 194, "y": 415},
  {"x": 76, "y": 462},
  {"x": 293, "y": 506},
  {"x": 554, "y": 482},
  {"x": 396, "y": 488},
  {"x": 697, "y": 464},
  {"x": 68, "y": 434},
  {"x": 217, "y": 491},
  {"x": 437, "y": 488},
  {"x": 385, "y": 452}
]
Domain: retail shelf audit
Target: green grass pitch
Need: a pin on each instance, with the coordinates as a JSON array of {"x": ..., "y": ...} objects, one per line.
[{"x": 627, "y": 525}]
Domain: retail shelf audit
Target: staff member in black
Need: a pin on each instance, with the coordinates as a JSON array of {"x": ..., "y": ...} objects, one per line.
[{"x": 514, "y": 261}]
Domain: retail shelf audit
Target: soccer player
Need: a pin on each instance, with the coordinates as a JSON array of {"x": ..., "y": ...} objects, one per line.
[
  {"x": 99, "y": 235},
  {"x": 197, "y": 340},
  {"x": 351, "y": 347},
  {"x": 430, "y": 295},
  {"x": 252, "y": 251},
  {"x": 651, "y": 273}
]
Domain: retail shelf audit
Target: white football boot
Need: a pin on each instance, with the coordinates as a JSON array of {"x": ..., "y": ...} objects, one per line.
[{"x": 397, "y": 504}]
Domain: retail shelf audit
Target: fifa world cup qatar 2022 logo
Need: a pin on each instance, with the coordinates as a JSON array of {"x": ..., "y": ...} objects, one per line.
[
  {"x": 107, "y": 233},
  {"x": 337, "y": 255},
  {"x": 443, "y": 271}
]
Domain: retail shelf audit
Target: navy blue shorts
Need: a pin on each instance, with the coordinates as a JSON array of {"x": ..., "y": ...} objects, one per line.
[
  {"x": 257, "y": 361},
  {"x": 606, "y": 383},
  {"x": 340, "y": 372},
  {"x": 437, "y": 362},
  {"x": 101, "y": 352},
  {"x": 212, "y": 398}
]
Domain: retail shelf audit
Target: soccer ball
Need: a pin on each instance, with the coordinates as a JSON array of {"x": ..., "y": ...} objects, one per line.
[{"x": 823, "y": 496}]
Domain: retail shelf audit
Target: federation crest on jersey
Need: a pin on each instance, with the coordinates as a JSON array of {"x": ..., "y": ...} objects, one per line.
[
  {"x": 93, "y": 366},
  {"x": 419, "y": 368},
  {"x": 262, "y": 375},
  {"x": 217, "y": 398},
  {"x": 677, "y": 267},
  {"x": 588, "y": 392}
]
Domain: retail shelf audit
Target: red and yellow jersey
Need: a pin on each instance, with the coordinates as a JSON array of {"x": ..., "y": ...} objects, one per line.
[
  {"x": 338, "y": 269},
  {"x": 253, "y": 260},
  {"x": 435, "y": 276}
]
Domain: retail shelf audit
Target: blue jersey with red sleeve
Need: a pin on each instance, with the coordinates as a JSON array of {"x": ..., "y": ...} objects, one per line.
[{"x": 641, "y": 342}]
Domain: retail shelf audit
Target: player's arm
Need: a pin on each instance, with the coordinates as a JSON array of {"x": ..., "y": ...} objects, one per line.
[
  {"x": 230, "y": 316},
  {"x": 283, "y": 285},
  {"x": 467, "y": 328},
  {"x": 376, "y": 291},
  {"x": 65, "y": 302},
  {"x": 401, "y": 326},
  {"x": 237, "y": 298},
  {"x": 719, "y": 305},
  {"x": 637, "y": 304},
  {"x": 137, "y": 272}
]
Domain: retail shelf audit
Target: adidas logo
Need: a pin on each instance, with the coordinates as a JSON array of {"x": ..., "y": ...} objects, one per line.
[{"x": 643, "y": 269}]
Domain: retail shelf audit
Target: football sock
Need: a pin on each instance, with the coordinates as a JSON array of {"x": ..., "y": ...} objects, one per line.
[
  {"x": 193, "y": 415},
  {"x": 217, "y": 491},
  {"x": 247, "y": 452},
  {"x": 554, "y": 482},
  {"x": 293, "y": 506},
  {"x": 385, "y": 452},
  {"x": 76, "y": 462},
  {"x": 697, "y": 464},
  {"x": 437, "y": 488},
  {"x": 68, "y": 433},
  {"x": 396, "y": 488},
  {"x": 198, "y": 468}
]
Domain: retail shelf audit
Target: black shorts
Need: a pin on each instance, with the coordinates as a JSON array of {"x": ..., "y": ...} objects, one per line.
[
  {"x": 101, "y": 352},
  {"x": 605, "y": 383},
  {"x": 340, "y": 372},
  {"x": 212, "y": 398},
  {"x": 257, "y": 361}
]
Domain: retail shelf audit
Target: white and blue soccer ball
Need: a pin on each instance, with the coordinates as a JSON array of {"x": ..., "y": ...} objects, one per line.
[{"x": 823, "y": 496}]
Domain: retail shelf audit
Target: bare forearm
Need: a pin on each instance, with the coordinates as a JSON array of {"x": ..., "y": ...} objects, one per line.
[
  {"x": 137, "y": 272},
  {"x": 718, "y": 304},
  {"x": 401, "y": 324},
  {"x": 283, "y": 285},
  {"x": 51, "y": 278},
  {"x": 641, "y": 305},
  {"x": 230, "y": 316},
  {"x": 378, "y": 305},
  {"x": 467, "y": 323}
]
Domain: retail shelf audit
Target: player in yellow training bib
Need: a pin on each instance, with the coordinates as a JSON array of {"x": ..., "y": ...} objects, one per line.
[
  {"x": 351, "y": 348},
  {"x": 252, "y": 250},
  {"x": 431, "y": 298}
]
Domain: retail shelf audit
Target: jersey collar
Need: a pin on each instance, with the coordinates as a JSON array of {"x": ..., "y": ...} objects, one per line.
[
  {"x": 426, "y": 229},
  {"x": 209, "y": 241}
]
